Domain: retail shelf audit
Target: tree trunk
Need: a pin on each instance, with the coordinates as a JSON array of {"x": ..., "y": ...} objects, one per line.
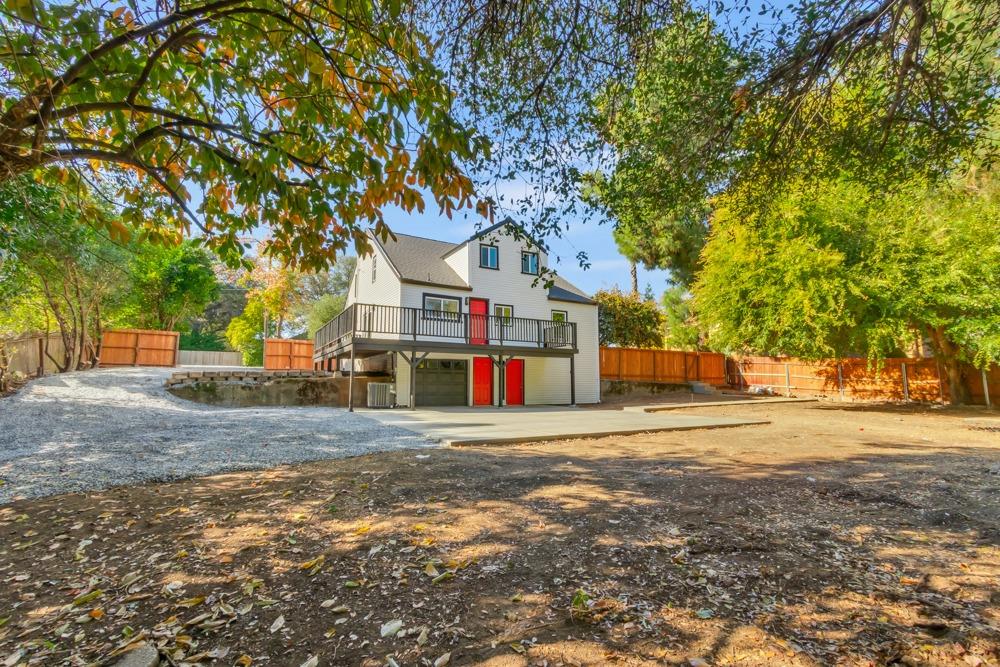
[
  {"x": 947, "y": 354},
  {"x": 3, "y": 367},
  {"x": 634, "y": 273}
]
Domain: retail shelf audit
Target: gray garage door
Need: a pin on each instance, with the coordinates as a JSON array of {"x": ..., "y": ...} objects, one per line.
[{"x": 442, "y": 382}]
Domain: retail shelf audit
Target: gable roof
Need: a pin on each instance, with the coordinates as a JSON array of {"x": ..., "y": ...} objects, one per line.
[
  {"x": 521, "y": 231},
  {"x": 420, "y": 261},
  {"x": 564, "y": 290}
]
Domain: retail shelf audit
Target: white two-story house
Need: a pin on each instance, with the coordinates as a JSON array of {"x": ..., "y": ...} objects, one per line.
[{"x": 468, "y": 323}]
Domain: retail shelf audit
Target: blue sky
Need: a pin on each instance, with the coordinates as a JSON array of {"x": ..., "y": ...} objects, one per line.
[{"x": 608, "y": 268}]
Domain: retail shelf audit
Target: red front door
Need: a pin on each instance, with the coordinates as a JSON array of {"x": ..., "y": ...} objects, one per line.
[
  {"x": 514, "y": 387},
  {"x": 477, "y": 321},
  {"x": 482, "y": 381}
]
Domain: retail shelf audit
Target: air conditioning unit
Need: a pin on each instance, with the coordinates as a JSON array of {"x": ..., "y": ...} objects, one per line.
[
  {"x": 556, "y": 335},
  {"x": 381, "y": 395}
]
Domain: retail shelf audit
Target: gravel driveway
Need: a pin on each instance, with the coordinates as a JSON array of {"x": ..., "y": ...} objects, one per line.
[{"x": 96, "y": 429}]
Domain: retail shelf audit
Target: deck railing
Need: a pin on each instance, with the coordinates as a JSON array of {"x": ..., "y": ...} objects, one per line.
[{"x": 365, "y": 320}]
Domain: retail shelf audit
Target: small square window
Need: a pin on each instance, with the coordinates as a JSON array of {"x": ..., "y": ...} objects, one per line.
[
  {"x": 489, "y": 256},
  {"x": 529, "y": 263},
  {"x": 503, "y": 312},
  {"x": 559, "y": 316}
]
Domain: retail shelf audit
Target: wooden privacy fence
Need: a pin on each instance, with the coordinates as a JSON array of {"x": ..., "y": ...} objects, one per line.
[
  {"x": 668, "y": 366},
  {"x": 288, "y": 354},
  {"x": 897, "y": 379},
  {"x": 139, "y": 347}
]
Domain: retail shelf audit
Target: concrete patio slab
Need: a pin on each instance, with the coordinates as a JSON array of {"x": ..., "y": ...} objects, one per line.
[{"x": 487, "y": 426}]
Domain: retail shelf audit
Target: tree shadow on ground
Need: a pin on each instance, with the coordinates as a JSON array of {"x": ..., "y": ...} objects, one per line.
[{"x": 885, "y": 555}]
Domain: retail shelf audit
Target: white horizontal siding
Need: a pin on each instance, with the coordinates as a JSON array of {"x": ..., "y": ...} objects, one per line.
[{"x": 384, "y": 290}]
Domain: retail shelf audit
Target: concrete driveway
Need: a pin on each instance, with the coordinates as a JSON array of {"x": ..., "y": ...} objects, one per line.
[{"x": 478, "y": 426}]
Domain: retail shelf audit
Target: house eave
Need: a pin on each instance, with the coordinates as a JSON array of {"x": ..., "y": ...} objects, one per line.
[{"x": 427, "y": 283}]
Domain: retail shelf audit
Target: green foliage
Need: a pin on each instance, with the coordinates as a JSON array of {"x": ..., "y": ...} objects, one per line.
[
  {"x": 680, "y": 326},
  {"x": 245, "y": 333},
  {"x": 170, "y": 284},
  {"x": 626, "y": 320},
  {"x": 208, "y": 341},
  {"x": 305, "y": 121},
  {"x": 322, "y": 310},
  {"x": 835, "y": 269},
  {"x": 678, "y": 106},
  {"x": 56, "y": 273},
  {"x": 903, "y": 93}
]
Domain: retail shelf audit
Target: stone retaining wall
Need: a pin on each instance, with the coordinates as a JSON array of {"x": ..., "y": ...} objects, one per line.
[{"x": 261, "y": 388}]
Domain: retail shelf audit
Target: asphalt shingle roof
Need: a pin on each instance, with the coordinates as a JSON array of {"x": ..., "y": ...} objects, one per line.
[{"x": 418, "y": 260}]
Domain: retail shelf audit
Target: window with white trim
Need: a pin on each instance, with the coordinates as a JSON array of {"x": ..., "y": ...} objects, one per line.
[
  {"x": 505, "y": 313},
  {"x": 529, "y": 263},
  {"x": 560, "y": 316},
  {"x": 442, "y": 306},
  {"x": 374, "y": 266},
  {"x": 489, "y": 256}
]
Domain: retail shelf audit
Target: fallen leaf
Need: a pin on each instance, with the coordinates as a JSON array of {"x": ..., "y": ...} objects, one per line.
[
  {"x": 84, "y": 598},
  {"x": 391, "y": 628},
  {"x": 278, "y": 624}
]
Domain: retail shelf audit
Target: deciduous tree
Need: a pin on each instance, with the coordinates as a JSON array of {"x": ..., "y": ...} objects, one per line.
[
  {"x": 835, "y": 269},
  {"x": 170, "y": 284},
  {"x": 306, "y": 119},
  {"x": 628, "y": 320}
]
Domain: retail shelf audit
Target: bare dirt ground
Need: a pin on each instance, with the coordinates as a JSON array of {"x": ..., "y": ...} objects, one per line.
[{"x": 835, "y": 535}]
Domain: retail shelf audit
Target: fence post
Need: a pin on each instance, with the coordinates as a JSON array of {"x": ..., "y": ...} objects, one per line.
[
  {"x": 41, "y": 356},
  {"x": 940, "y": 380},
  {"x": 840, "y": 379},
  {"x": 986, "y": 390},
  {"x": 788, "y": 382},
  {"x": 906, "y": 382}
]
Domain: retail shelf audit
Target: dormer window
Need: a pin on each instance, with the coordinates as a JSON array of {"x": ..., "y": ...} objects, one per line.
[
  {"x": 489, "y": 256},
  {"x": 529, "y": 263}
]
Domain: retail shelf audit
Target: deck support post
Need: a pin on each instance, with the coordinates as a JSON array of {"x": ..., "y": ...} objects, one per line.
[
  {"x": 350, "y": 384},
  {"x": 412, "y": 361},
  {"x": 572, "y": 378}
]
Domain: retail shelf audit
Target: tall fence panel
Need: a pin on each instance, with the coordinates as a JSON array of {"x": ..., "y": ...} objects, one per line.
[
  {"x": 288, "y": 354},
  {"x": 666, "y": 366},
  {"x": 210, "y": 358},
  {"x": 139, "y": 347}
]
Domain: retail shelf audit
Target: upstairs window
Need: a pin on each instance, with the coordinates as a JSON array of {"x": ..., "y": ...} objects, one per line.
[
  {"x": 374, "y": 266},
  {"x": 489, "y": 256},
  {"x": 529, "y": 263}
]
